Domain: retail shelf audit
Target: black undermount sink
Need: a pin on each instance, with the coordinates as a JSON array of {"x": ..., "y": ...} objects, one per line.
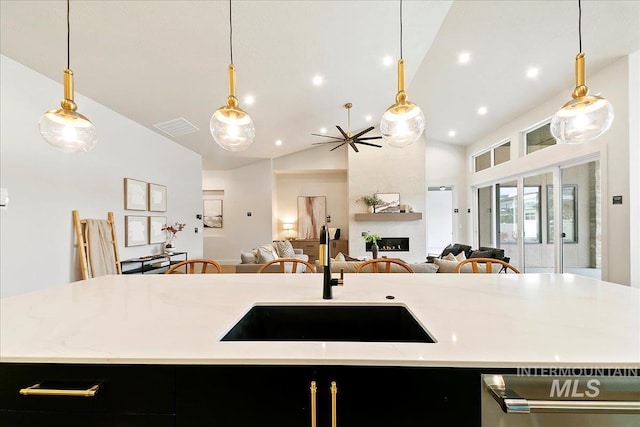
[{"x": 358, "y": 323}]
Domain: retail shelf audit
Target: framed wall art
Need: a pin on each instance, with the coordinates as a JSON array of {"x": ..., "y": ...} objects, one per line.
[
  {"x": 135, "y": 230},
  {"x": 312, "y": 215},
  {"x": 212, "y": 213},
  {"x": 135, "y": 195},
  {"x": 157, "y": 198},
  {"x": 390, "y": 202},
  {"x": 156, "y": 235}
]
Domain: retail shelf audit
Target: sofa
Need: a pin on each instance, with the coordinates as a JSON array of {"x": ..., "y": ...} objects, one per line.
[
  {"x": 340, "y": 262},
  {"x": 454, "y": 253},
  {"x": 251, "y": 261}
]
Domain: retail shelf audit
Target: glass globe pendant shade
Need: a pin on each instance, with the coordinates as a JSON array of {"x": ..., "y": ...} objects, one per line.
[
  {"x": 585, "y": 117},
  {"x": 66, "y": 129},
  {"x": 403, "y": 122},
  {"x": 230, "y": 126}
]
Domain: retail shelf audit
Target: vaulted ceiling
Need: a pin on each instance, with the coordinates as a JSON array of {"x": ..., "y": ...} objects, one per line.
[{"x": 158, "y": 60}]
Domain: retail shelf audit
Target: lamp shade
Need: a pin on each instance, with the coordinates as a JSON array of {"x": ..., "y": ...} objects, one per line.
[
  {"x": 68, "y": 130},
  {"x": 287, "y": 226},
  {"x": 232, "y": 128},
  {"x": 402, "y": 124},
  {"x": 582, "y": 119}
]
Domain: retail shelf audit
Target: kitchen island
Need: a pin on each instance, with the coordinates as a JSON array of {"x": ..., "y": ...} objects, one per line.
[{"x": 166, "y": 331}]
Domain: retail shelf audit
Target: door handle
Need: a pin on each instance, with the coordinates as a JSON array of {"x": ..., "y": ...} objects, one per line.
[
  {"x": 512, "y": 403},
  {"x": 314, "y": 390},
  {"x": 334, "y": 392},
  {"x": 37, "y": 390}
]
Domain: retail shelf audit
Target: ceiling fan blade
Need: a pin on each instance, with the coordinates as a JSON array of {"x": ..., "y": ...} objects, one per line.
[
  {"x": 324, "y": 142},
  {"x": 370, "y": 137},
  {"x": 338, "y": 146},
  {"x": 354, "y": 147},
  {"x": 342, "y": 132},
  {"x": 367, "y": 143},
  {"x": 362, "y": 132},
  {"x": 327, "y": 136}
]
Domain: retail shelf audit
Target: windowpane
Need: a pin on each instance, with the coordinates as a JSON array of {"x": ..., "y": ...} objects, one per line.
[
  {"x": 532, "y": 229},
  {"x": 540, "y": 139},
  {"x": 569, "y": 215},
  {"x": 502, "y": 153},
  {"x": 483, "y": 161}
]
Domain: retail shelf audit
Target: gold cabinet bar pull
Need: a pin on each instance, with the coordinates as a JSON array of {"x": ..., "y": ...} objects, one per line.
[
  {"x": 334, "y": 392},
  {"x": 35, "y": 390},
  {"x": 313, "y": 389}
]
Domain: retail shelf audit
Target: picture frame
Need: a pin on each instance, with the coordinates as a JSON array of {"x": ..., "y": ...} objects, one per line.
[
  {"x": 135, "y": 230},
  {"x": 212, "y": 213},
  {"x": 156, "y": 234},
  {"x": 157, "y": 198},
  {"x": 135, "y": 195},
  {"x": 312, "y": 215},
  {"x": 390, "y": 202}
]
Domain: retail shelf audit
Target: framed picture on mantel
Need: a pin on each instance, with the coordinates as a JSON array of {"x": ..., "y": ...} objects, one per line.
[{"x": 390, "y": 202}]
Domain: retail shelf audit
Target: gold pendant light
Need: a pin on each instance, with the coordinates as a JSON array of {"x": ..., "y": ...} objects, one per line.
[
  {"x": 585, "y": 117},
  {"x": 403, "y": 122},
  {"x": 64, "y": 128},
  {"x": 230, "y": 126}
]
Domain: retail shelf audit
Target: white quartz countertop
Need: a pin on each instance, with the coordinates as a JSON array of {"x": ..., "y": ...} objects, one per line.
[{"x": 479, "y": 320}]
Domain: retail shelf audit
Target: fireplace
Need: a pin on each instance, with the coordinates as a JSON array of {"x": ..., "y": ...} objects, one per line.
[{"x": 391, "y": 244}]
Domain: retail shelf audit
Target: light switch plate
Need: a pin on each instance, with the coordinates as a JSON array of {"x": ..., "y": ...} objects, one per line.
[{"x": 4, "y": 198}]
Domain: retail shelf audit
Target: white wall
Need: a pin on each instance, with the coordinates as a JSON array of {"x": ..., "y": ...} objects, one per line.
[
  {"x": 613, "y": 147},
  {"x": 332, "y": 185},
  {"x": 634, "y": 161},
  {"x": 246, "y": 189},
  {"x": 45, "y": 185},
  {"x": 389, "y": 170}
]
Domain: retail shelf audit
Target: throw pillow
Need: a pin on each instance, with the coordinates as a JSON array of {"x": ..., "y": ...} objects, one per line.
[
  {"x": 284, "y": 249},
  {"x": 445, "y": 265},
  {"x": 450, "y": 257},
  {"x": 340, "y": 257},
  {"x": 460, "y": 257},
  {"x": 266, "y": 253},
  {"x": 482, "y": 254},
  {"x": 247, "y": 257}
]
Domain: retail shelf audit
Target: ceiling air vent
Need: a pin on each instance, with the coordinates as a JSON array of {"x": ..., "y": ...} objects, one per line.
[{"x": 176, "y": 127}]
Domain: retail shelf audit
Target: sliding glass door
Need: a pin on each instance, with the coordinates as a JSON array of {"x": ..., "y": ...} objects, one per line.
[{"x": 507, "y": 230}]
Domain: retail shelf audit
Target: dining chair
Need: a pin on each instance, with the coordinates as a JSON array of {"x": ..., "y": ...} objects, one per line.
[
  {"x": 488, "y": 263},
  {"x": 206, "y": 266},
  {"x": 283, "y": 261},
  {"x": 374, "y": 263}
]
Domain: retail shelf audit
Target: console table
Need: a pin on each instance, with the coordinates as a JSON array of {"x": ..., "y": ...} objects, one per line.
[
  {"x": 147, "y": 263},
  {"x": 311, "y": 247}
]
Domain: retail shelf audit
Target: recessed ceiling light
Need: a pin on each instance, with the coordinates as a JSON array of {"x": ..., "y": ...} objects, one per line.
[
  {"x": 278, "y": 142},
  {"x": 482, "y": 111},
  {"x": 368, "y": 117},
  {"x": 452, "y": 133},
  {"x": 387, "y": 61},
  {"x": 533, "y": 72},
  {"x": 317, "y": 80},
  {"x": 464, "y": 57},
  {"x": 323, "y": 130},
  {"x": 249, "y": 100}
]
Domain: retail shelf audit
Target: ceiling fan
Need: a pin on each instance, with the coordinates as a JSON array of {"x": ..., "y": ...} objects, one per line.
[{"x": 348, "y": 137}]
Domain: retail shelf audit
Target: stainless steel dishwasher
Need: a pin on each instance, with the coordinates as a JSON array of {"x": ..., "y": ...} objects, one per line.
[{"x": 566, "y": 401}]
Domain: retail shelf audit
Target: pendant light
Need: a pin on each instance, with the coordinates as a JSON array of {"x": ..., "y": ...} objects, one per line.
[
  {"x": 64, "y": 128},
  {"x": 403, "y": 123},
  {"x": 230, "y": 126},
  {"x": 585, "y": 117}
]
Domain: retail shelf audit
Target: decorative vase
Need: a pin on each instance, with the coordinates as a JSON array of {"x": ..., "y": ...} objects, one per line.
[
  {"x": 374, "y": 250},
  {"x": 371, "y": 209}
]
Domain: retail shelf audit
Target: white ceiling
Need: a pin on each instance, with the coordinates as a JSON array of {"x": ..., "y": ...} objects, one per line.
[{"x": 154, "y": 61}]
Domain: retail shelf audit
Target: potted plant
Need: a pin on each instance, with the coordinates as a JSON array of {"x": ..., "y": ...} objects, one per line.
[
  {"x": 373, "y": 239},
  {"x": 172, "y": 230},
  {"x": 371, "y": 202}
]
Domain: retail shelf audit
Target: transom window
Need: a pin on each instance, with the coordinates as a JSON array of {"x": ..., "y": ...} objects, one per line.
[{"x": 539, "y": 139}]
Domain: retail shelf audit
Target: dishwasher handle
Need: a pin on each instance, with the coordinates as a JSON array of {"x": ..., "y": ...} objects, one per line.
[{"x": 512, "y": 403}]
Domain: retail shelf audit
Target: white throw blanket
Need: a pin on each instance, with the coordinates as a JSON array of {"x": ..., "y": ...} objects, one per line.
[{"x": 100, "y": 253}]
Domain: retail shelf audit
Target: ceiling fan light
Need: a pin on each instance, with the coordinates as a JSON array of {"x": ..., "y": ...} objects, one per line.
[{"x": 402, "y": 124}]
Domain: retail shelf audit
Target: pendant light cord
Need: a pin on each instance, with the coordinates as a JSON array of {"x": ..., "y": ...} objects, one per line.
[
  {"x": 580, "y": 25},
  {"x": 68, "y": 38},
  {"x": 401, "y": 57},
  {"x": 230, "y": 34}
]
